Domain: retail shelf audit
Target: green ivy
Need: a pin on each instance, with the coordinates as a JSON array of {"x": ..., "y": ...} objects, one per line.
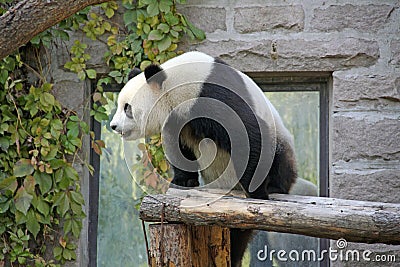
[{"x": 41, "y": 206}]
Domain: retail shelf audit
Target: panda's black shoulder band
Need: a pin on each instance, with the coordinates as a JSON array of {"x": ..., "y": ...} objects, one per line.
[{"x": 154, "y": 73}]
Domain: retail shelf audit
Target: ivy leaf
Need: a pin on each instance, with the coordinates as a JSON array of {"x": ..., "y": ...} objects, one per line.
[
  {"x": 4, "y": 206},
  {"x": 62, "y": 203},
  {"x": 77, "y": 197},
  {"x": 57, "y": 253},
  {"x": 47, "y": 99},
  {"x": 163, "y": 165},
  {"x": 44, "y": 181},
  {"x": 91, "y": 73},
  {"x": 71, "y": 173},
  {"x": 23, "y": 167},
  {"x": 81, "y": 75},
  {"x": 32, "y": 223},
  {"x": 4, "y": 143},
  {"x": 20, "y": 218},
  {"x": 115, "y": 73},
  {"x": 152, "y": 9},
  {"x": 171, "y": 19},
  {"x": 164, "y": 44},
  {"x": 76, "y": 228},
  {"x": 165, "y": 5},
  {"x": 8, "y": 185},
  {"x": 155, "y": 35},
  {"x": 163, "y": 27},
  {"x": 22, "y": 200},
  {"x": 199, "y": 34},
  {"x": 43, "y": 207},
  {"x": 109, "y": 12},
  {"x": 67, "y": 226},
  {"x": 129, "y": 17}
]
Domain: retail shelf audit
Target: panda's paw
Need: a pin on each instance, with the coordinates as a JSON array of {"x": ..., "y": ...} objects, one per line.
[{"x": 186, "y": 182}]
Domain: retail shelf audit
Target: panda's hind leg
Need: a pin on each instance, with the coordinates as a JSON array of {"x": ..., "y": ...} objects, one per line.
[{"x": 239, "y": 240}]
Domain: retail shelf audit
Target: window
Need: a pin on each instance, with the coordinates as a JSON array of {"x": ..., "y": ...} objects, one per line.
[
  {"x": 115, "y": 230},
  {"x": 115, "y": 233},
  {"x": 302, "y": 100}
]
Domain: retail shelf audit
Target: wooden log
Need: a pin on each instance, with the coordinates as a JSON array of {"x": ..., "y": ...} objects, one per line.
[
  {"x": 189, "y": 245},
  {"x": 355, "y": 221}
]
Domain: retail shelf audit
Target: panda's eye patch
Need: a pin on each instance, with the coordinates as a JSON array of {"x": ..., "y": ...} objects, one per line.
[{"x": 128, "y": 110}]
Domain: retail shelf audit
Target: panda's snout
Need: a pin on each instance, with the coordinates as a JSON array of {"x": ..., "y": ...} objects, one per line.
[{"x": 115, "y": 128}]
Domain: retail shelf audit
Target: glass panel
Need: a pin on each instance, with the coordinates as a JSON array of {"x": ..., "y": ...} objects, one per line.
[
  {"x": 300, "y": 113},
  {"x": 120, "y": 240}
]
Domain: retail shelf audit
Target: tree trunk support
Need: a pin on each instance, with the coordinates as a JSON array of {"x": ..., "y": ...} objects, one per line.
[{"x": 188, "y": 245}]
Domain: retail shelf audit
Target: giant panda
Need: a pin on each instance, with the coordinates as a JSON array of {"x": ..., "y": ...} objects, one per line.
[{"x": 217, "y": 121}]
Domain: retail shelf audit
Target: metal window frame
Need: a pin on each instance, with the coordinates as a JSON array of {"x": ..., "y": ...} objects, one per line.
[
  {"x": 275, "y": 82},
  {"x": 95, "y": 126}
]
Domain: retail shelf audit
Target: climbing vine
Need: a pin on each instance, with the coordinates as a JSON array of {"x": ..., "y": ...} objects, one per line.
[{"x": 41, "y": 205}]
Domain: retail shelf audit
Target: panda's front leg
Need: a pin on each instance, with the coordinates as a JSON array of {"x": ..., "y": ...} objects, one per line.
[{"x": 183, "y": 177}]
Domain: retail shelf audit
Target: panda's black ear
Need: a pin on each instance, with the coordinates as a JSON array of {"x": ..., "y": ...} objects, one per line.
[
  {"x": 155, "y": 75},
  {"x": 134, "y": 72}
]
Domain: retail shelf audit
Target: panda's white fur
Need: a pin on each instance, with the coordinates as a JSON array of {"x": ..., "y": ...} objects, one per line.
[{"x": 195, "y": 75}]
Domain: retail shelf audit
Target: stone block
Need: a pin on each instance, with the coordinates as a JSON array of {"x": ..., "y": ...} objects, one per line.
[
  {"x": 328, "y": 54},
  {"x": 271, "y": 18},
  {"x": 205, "y": 18},
  {"x": 71, "y": 94},
  {"x": 377, "y": 91},
  {"x": 363, "y": 18},
  {"x": 395, "y": 53},
  {"x": 382, "y": 185},
  {"x": 367, "y": 135}
]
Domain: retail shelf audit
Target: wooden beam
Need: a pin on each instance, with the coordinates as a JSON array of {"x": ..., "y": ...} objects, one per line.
[{"x": 355, "y": 221}]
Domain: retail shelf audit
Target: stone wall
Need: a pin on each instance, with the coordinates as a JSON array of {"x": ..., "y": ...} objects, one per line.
[{"x": 357, "y": 40}]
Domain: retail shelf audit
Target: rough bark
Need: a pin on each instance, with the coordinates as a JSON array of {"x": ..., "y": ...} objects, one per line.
[
  {"x": 356, "y": 221},
  {"x": 30, "y": 17},
  {"x": 188, "y": 245}
]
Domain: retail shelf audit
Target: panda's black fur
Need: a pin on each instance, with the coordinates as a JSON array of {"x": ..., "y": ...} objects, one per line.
[{"x": 283, "y": 172}]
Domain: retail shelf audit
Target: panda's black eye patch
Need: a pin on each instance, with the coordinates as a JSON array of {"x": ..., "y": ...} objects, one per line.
[{"x": 128, "y": 110}]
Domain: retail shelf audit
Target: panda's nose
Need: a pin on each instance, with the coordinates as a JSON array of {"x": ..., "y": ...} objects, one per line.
[{"x": 113, "y": 127}]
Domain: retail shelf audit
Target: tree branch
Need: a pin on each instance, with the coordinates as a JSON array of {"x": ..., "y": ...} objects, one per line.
[{"x": 28, "y": 18}]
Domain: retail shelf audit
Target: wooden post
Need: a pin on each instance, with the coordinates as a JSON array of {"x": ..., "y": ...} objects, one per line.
[{"x": 186, "y": 245}]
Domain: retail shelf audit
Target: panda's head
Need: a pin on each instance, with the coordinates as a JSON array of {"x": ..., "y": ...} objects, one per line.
[
  {"x": 149, "y": 97},
  {"x": 136, "y": 116}
]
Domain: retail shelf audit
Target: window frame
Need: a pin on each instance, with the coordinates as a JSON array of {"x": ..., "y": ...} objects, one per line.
[{"x": 95, "y": 126}]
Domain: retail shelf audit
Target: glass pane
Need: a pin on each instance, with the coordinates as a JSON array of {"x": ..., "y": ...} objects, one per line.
[
  {"x": 120, "y": 240},
  {"x": 300, "y": 114}
]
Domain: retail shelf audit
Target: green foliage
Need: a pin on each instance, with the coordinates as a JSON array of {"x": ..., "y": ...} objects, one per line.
[
  {"x": 41, "y": 207},
  {"x": 154, "y": 29},
  {"x": 39, "y": 187}
]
